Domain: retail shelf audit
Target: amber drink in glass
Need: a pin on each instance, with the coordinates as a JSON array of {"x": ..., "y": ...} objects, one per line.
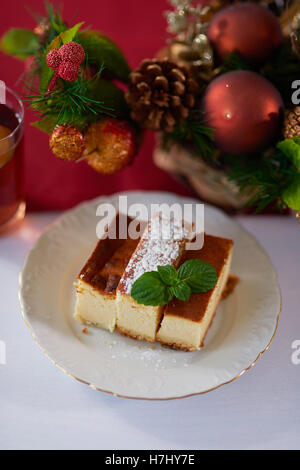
[{"x": 12, "y": 202}]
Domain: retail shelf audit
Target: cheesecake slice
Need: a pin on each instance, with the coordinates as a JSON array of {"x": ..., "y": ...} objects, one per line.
[
  {"x": 97, "y": 283},
  {"x": 163, "y": 242},
  {"x": 185, "y": 324}
]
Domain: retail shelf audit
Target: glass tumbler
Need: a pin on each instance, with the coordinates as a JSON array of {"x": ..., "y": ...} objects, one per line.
[{"x": 12, "y": 202}]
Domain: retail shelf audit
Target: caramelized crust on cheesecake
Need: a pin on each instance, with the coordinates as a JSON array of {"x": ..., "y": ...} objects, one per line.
[
  {"x": 98, "y": 280},
  {"x": 215, "y": 251},
  {"x": 185, "y": 324},
  {"x": 106, "y": 266}
]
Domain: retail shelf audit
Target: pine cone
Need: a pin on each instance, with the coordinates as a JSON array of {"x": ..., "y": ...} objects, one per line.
[
  {"x": 292, "y": 123},
  {"x": 161, "y": 94}
]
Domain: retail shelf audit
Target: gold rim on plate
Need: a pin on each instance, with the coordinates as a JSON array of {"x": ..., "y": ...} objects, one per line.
[{"x": 97, "y": 389}]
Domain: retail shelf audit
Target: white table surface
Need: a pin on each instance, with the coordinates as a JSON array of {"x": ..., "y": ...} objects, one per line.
[{"x": 42, "y": 408}]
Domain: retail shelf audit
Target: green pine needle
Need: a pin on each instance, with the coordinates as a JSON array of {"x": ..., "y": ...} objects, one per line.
[
  {"x": 70, "y": 103},
  {"x": 266, "y": 176},
  {"x": 234, "y": 61},
  {"x": 57, "y": 25},
  {"x": 195, "y": 133}
]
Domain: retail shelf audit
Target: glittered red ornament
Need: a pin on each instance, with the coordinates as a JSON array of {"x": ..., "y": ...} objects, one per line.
[
  {"x": 249, "y": 28},
  {"x": 66, "y": 62},
  {"x": 245, "y": 111},
  {"x": 73, "y": 52},
  {"x": 68, "y": 71},
  {"x": 54, "y": 59}
]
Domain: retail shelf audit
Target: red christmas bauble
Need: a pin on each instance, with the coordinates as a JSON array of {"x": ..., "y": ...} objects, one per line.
[
  {"x": 248, "y": 28},
  {"x": 245, "y": 111}
]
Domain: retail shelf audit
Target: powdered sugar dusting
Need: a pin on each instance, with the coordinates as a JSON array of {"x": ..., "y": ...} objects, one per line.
[{"x": 162, "y": 243}]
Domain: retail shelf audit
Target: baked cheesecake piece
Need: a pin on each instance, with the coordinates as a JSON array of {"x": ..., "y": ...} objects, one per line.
[
  {"x": 185, "y": 324},
  {"x": 163, "y": 242},
  {"x": 97, "y": 282}
]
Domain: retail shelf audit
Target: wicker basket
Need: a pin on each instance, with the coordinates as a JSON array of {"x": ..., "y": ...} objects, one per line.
[{"x": 210, "y": 184}]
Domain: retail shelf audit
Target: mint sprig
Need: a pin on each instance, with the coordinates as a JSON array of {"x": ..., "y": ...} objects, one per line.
[
  {"x": 199, "y": 276},
  {"x": 161, "y": 286}
]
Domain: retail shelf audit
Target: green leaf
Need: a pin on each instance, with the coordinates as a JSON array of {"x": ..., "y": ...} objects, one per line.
[
  {"x": 149, "y": 289},
  {"x": 58, "y": 41},
  {"x": 158, "y": 288},
  {"x": 20, "y": 43},
  {"x": 102, "y": 51},
  {"x": 291, "y": 195},
  {"x": 69, "y": 35},
  {"x": 107, "y": 92},
  {"x": 46, "y": 124},
  {"x": 199, "y": 276},
  {"x": 291, "y": 149},
  {"x": 168, "y": 274},
  {"x": 182, "y": 291}
]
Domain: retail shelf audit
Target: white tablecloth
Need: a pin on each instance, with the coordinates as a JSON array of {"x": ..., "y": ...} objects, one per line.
[{"x": 42, "y": 408}]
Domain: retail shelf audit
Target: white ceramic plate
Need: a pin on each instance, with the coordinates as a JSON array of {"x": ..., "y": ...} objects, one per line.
[{"x": 242, "y": 330}]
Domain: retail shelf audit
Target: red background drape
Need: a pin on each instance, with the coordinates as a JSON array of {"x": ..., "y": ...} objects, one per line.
[{"x": 139, "y": 28}]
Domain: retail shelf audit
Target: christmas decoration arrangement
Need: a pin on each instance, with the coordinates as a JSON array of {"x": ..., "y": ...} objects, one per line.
[
  {"x": 221, "y": 96},
  {"x": 240, "y": 144},
  {"x": 74, "y": 81}
]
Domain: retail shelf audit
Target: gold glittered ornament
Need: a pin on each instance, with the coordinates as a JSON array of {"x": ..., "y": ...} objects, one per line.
[
  {"x": 110, "y": 145},
  {"x": 298, "y": 216},
  {"x": 196, "y": 55},
  {"x": 67, "y": 143}
]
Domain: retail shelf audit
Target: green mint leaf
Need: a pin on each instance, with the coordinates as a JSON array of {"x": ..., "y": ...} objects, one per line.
[
  {"x": 149, "y": 289},
  {"x": 199, "y": 276},
  {"x": 291, "y": 195},
  {"x": 182, "y": 291},
  {"x": 291, "y": 149},
  {"x": 168, "y": 274},
  {"x": 159, "y": 287}
]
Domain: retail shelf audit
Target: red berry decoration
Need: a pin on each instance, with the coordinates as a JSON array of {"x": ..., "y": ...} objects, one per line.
[
  {"x": 73, "y": 52},
  {"x": 68, "y": 71},
  {"x": 248, "y": 28},
  {"x": 54, "y": 59},
  {"x": 110, "y": 145},
  {"x": 245, "y": 111},
  {"x": 66, "y": 62}
]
